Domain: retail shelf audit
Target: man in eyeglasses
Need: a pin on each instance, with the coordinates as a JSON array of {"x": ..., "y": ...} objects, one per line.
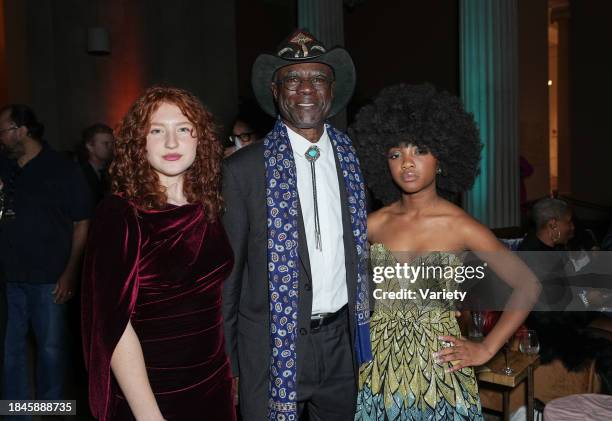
[
  {"x": 43, "y": 230},
  {"x": 296, "y": 304},
  {"x": 242, "y": 135}
]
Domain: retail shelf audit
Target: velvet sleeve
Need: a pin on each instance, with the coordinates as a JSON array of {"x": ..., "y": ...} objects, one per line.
[{"x": 110, "y": 289}]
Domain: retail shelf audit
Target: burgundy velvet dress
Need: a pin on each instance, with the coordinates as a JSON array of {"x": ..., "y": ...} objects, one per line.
[{"x": 163, "y": 271}]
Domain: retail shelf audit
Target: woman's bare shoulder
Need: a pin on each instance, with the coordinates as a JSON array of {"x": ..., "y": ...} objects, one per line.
[{"x": 377, "y": 219}]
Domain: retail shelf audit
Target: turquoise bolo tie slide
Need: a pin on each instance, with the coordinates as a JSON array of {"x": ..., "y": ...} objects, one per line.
[{"x": 312, "y": 154}]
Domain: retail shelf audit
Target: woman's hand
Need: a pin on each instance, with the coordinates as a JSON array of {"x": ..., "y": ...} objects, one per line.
[{"x": 463, "y": 353}]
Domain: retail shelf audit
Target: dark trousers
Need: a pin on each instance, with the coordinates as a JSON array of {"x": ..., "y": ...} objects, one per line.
[
  {"x": 33, "y": 303},
  {"x": 327, "y": 388},
  {"x": 326, "y": 384}
]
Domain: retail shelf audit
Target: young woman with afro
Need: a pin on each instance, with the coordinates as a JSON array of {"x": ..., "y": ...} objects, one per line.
[{"x": 419, "y": 148}]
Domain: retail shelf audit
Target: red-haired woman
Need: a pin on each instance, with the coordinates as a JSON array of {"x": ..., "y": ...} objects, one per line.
[{"x": 156, "y": 260}]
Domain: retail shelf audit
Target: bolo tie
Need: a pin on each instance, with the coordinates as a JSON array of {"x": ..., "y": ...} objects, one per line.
[{"x": 312, "y": 154}]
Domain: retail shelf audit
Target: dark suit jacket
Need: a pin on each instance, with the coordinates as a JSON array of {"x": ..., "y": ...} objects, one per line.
[
  {"x": 96, "y": 185},
  {"x": 246, "y": 307}
]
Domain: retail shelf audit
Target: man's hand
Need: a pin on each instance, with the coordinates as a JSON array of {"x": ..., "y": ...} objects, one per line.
[
  {"x": 67, "y": 282},
  {"x": 597, "y": 298},
  {"x": 64, "y": 289}
]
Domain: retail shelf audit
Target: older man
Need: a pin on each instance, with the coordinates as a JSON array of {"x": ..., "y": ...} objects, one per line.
[
  {"x": 295, "y": 305},
  {"x": 43, "y": 229}
]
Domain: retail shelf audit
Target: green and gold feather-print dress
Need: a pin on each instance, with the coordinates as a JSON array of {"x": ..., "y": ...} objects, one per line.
[{"x": 403, "y": 382}]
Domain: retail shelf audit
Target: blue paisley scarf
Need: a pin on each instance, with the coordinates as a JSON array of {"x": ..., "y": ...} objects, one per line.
[{"x": 283, "y": 269}]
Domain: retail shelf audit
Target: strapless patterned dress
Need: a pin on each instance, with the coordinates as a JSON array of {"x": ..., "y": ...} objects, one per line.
[{"x": 403, "y": 382}]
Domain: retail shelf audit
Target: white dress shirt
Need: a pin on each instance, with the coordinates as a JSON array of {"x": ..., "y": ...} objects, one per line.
[{"x": 327, "y": 266}]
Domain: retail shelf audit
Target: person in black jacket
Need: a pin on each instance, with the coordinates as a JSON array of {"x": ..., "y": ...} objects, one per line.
[
  {"x": 297, "y": 357},
  {"x": 96, "y": 155}
]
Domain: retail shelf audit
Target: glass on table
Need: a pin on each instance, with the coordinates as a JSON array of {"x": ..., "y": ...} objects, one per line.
[
  {"x": 507, "y": 370},
  {"x": 529, "y": 343},
  {"x": 478, "y": 320}
]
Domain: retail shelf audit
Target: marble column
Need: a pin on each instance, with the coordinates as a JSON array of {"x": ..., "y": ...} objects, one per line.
[{"x": 489, "y": 87}]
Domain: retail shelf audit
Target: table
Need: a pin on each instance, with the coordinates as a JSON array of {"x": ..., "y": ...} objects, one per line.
[{"x": 523, "y": 366}]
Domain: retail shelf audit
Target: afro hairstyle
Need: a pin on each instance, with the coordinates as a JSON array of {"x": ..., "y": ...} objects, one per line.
[{"x": 425, "y": 117}]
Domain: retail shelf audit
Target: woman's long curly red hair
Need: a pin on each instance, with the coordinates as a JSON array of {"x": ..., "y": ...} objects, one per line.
[{"x": 133, "y": 177}]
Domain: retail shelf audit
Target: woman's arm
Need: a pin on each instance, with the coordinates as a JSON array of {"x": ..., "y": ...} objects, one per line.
[
  {"x": 129, "y": 369},
  {"x": 515, "y": 273}
]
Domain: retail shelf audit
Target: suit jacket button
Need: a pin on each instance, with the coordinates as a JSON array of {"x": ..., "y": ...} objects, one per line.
[
  {"x": 303, "y": 331},
  {"x": 307, "y": 287}
]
